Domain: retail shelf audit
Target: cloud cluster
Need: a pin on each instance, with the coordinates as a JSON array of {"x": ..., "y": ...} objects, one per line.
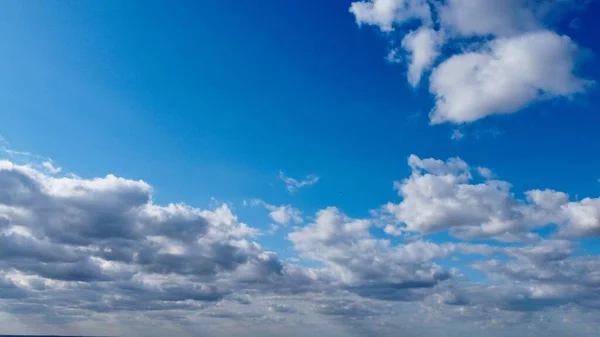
[
  {"x": 82, "y": 253},
  {"x": 470, "y": 203},
  {"x": 105, "y": 243},
  {"x": 498, "y": 56}
]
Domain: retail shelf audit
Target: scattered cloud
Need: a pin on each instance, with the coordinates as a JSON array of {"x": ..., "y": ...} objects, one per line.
[
  {"x": 101, "y": 250},
  {"x": 505, "y": 76},
  {"x": 394, "y": 56},
  {"x": 366, "y": 265},
  {"x": 282, "y": 215},
  {"x": 500, "y": 58},
  {"x": 293, "y": 185},
  {"x": 442, "y": 195}
]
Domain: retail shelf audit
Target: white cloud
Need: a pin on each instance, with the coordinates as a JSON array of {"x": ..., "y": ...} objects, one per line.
[
  {"x": 49, "y": 166},
  {"x": 293, "y": 185},
  {"x": 485, "y": 172},
  {"x": 394, "y": 56},
  {"x": 520, "y": 61},
  {"x": 505, "y": 76},
  {"x": 442, "y": 196},
  {"x": 457, "y": 135},
  {"x": 386, "y": 13},
  {"x": 423, "y": 45},
  {"x": 107, "y": 233},
  {"x": 285, "y": 214},
  {"x": 24, "y": 156}
]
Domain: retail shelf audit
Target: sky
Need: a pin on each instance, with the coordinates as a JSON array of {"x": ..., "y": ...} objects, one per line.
[{"x": 341, "y": 168}]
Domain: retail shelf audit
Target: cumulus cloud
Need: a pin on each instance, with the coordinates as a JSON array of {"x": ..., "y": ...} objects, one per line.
[
  {"x": 386, "y": 13},
  {"x": 293, "y": 185},
  {"x": 444, "y": 195},
  {"x": 489, "y": 17},
  {"x": 104, "y": 237},
  {"x": 99, "y": 255},
  {"x": 505, "y": 76},
  {"x": 502, "y": 56},
  {"x": 369, "y": 266},
  {"x": 282, "y": 215}
]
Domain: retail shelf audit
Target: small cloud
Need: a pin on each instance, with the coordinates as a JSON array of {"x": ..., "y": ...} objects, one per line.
[
  {"x": 457, "y": 135},
  {"x": 272, "y": 229},
  {"x": 29, "y": 157},
  {"x": 17, "y": 153},
  {"x": 292, "y": 185},
  {"x": 485, "y": 172},
  {"x": 50, "y": 168},
  {"x": 282, "y": 215},
  {"x": 575, "y": 24},
  {"x": 394, "y": 56}
]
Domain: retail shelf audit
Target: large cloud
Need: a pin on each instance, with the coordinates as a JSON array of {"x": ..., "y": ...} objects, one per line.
[
  {"x": 504, "y": 76},
  {"x": 502, "y": 56},
  {"x": 107, "y": 238},
  {"x": 387, "y": 13},
  {"x": 98, "y": 256},
  {"x": 445, "y": 195}
]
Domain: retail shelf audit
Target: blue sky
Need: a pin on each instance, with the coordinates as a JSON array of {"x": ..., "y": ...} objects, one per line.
[{"x": 208, "y": 101}]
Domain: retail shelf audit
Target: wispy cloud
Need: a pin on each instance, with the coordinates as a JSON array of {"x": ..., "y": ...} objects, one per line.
[
  {"x": 35, "y": 160},
  {"x": 147, "y": 260},
  {"x": 513, "y": 58},
  {"x": 457, "y": 135},
  {"x": 293, "y": 185}
]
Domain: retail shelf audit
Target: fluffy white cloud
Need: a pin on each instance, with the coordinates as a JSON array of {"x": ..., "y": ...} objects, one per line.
[
  {"x": 369, "y": 266},
  {"x": 505, "y": 76},
  {"x": 282, "y": 215},
  {"x": 423, "y": 45},
  {"x": 50, "y": 167},
  {"x": 105, "y": 244},
  {"x": 491, "y": 17},
  {"x": 98, "y": 255},
  {"x": 519, "y": 60},
  {"x": 386, "y": 13},
  {"x": 285, "y": 214},
  {"x": 442, "y": 196}
]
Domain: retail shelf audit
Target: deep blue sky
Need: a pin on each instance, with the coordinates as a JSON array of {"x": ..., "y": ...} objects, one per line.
[
  {"x": 211, "y": 98},
  {"x": 208, "y": 101}
]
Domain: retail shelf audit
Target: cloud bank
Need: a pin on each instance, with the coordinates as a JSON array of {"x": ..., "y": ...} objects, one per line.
[{"x": 98, "y": 255}]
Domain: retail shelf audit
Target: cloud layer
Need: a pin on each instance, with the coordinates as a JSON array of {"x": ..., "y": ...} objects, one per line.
[
  {"x": 80, "y": 253},
  {"x": 497, "y": 57}
]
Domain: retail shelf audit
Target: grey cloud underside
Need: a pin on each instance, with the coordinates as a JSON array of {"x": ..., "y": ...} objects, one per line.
[{"x": 86, "y": 250}]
